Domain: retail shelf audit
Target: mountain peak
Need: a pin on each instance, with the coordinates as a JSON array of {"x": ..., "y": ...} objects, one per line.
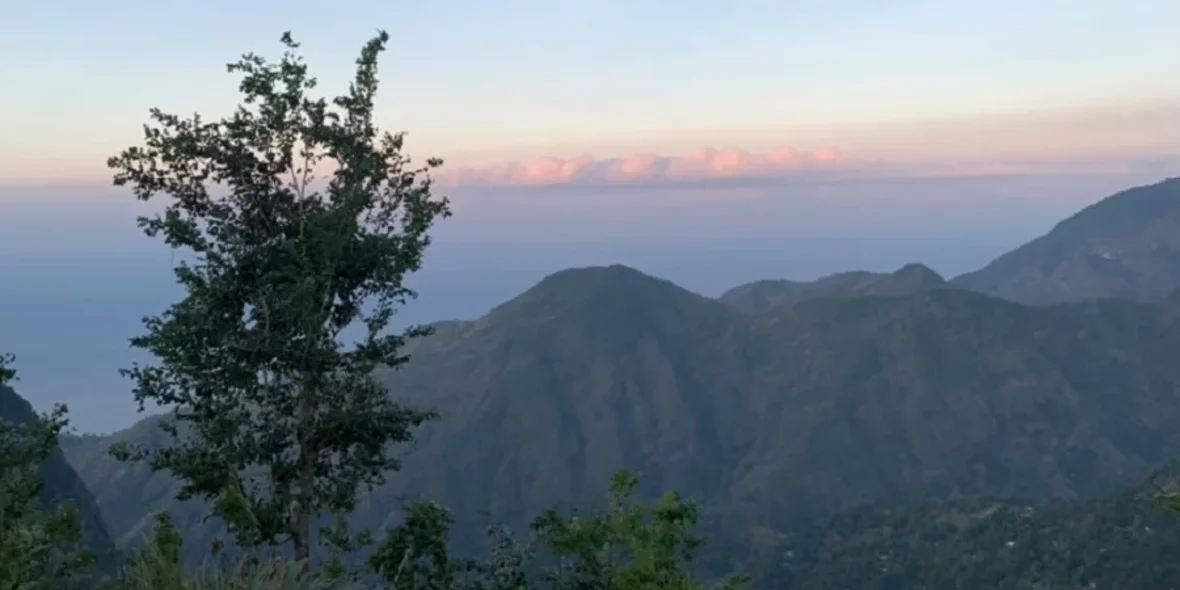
[
  {"x": 919, "y": 274},
  {"x": 589, "y": 281},
  {"x": 584, "y": 276},
  {"x": 1133, "y": 207},
  {"x": 596, "y": 290}
]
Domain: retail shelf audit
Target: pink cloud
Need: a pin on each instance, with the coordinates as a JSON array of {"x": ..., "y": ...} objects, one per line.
[{"x": 704, "y": 163}]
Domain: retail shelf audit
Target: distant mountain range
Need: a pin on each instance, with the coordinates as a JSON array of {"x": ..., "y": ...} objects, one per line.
[
  {"x": 782, "y": 404},
  {"x": 1125, "y": 246},
  {"x": 767, "y": 294}
]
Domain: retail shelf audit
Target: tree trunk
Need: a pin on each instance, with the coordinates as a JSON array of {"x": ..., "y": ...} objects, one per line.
[{"x": 302, "y": 534}]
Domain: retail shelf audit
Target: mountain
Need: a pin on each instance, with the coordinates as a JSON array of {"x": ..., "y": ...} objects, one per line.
[
  {"x": 772, "y": 420},
  {"x": 1125, "y": 246},
  {"x": 1123, "y": 540},
  {"x": 763, "y": 295},
  {"x": 542, "y": 399},
  {"x": 61, "y": 483}
]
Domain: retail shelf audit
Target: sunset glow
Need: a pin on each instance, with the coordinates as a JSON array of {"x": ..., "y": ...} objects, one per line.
[{"x": 701, "y": 164}]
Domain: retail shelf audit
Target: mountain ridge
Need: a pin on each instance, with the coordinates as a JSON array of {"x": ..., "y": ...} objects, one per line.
[
  {"x": 763, "y": 295},
  {"x": 1125, "y": 246},
  {"x": 892, "y": 399}
]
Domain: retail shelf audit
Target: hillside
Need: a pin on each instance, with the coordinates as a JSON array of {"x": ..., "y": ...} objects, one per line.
[
  {"x": 763, "y": 295},
  {"x": 772, "y": 419},
  {"x": 1123, "y": 540},
  {"x": 1125, "y": 247},
  {"x": 60, "y": 482}
]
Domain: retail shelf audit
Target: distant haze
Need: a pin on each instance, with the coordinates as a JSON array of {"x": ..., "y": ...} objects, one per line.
[{"x": 78, "y": 275}]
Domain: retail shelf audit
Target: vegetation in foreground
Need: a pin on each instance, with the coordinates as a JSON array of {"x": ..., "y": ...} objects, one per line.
[{"x": 628, "y": 545}]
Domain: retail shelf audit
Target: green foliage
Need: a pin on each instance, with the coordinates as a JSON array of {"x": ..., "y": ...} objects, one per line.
[
  {"x": 284, "y": 422},
  {"x": 630, "y": 545},
  {"x": 158, "y": 564},
  {"x": 158, "y": 567},
  {"x": 40, "y": 547},
  {"x": 343, "y": 544},
  {"x": 415, "y": 554},
  {"x": 7, "y": 373}
]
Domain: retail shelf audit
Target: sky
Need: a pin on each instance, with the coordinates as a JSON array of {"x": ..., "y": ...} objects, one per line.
[
  {"x": 710, "y": 143},
  {"x": 484, "y": 84}
]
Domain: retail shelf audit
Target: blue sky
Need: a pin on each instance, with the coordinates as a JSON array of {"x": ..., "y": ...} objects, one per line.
[{"x": 480, "y": 81}]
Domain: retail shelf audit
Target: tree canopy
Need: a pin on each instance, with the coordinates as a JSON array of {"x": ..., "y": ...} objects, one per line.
[{"x": 300, "y": 221}]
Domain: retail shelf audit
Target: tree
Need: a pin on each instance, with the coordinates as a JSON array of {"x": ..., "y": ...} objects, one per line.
[
  {"x": 39, "y": 547},
  {"x": 299, "y": 220},
  {"x": 7, "y": 373},
  {"x": 631, "y": 545},
  {"x": 416, "y": 554}
]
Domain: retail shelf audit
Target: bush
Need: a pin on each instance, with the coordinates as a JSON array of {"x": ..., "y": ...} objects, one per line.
[{"x": 158, "y": 567}]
